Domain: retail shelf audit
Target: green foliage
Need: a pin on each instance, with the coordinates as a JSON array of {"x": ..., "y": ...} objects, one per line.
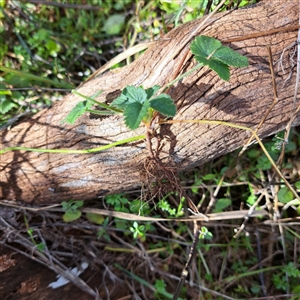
[
  {"x": 138, "y": 105},
  {"x": 71, "y": 209},
  {"x": 205, "y": 234},
  {"x": 118, "y": 201},
  {"x": 139, "y": 231},
  {"x": 164, "y": 205},
  {"x": 95, "y": 218},
  {"x": 160, "y": 287},
  {"x": 40, "y": 246},
  {"x": 102, "y": 232},
  {"x": 280, "y": 279},
  {"x": 114, "y": 24},
  {"x": 285, "y": 195},
  {"x": 222, "y": 204},
  {"x": 77, "y": 111},
  {"x": 210, "y": 52}
]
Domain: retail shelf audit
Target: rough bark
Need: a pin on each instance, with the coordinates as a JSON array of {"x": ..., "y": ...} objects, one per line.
[{"x": 42, "y": 177}]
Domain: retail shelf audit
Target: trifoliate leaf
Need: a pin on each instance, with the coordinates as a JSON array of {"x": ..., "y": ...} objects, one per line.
[
  {"x": 134, "y": 113},
  {"x": 164, "y": 104},
  {"x": 230, "y": 57},
  {"x": 77, "y": 111}
]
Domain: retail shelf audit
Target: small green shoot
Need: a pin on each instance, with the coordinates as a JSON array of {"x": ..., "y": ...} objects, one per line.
[
  {"x": 71, "y": 209},
  {"x": 118, "y": 202},
  {"x": 40, "y": 246},
  {"x": 139, "y": 231},
  {"x": 102, "y": 232},
  {"x": 164, "y": 205},
  {"x": 204, "y": 234}
]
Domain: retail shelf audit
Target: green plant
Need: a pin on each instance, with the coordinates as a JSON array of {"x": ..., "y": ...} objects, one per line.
[
  {"x": 118, "y": 201},
  {"x": 142, "y": 105},
  {"x": 164, "y": 205},
  {"x": 280, "y": 279},
  {"x": 139, "y": 231},
  {"x": 71, "y": 209},
  {"x": 204, "y": 234},
  {"x": 40, "y": 246}
]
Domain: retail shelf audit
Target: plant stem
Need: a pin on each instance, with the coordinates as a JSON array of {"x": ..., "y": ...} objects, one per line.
[{"x": 66, "y": 151}]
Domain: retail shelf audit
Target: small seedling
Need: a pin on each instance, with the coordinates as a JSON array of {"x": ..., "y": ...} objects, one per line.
[
  {"x": 71, "y": 209},
  {"x": 204, "y": 234},
  {"x": 139, "y": 231}
]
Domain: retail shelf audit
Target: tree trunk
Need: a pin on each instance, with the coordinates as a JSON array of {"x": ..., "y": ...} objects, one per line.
[{"x": 48, "y": 178}]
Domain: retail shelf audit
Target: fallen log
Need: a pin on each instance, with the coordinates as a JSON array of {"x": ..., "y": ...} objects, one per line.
[{"x": 49, "y": 178}]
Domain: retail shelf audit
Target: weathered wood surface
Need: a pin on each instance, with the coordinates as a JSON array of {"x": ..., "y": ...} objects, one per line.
[{"x": 49, "y": 178}]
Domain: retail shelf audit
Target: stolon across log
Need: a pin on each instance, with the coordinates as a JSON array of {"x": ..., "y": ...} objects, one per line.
[{"x": 244, "y": 100}]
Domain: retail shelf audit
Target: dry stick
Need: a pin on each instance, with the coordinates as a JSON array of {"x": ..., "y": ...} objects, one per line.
[
  {"x": 251, "y": 209},
  {"x": 192, "y": 252}
]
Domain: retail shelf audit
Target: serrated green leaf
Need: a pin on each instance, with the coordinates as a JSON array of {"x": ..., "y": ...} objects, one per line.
[
  {"x": 135, "y": 94},
  {"x": 120, "y": 102},
  {"x": 285, "y": 195},
  {"x": 151, "y": 91},
  {"x": 70, "y": 216},
  {"x": 230, "y": 57},
  {"x": 205, "y": 46},
  {"x": 131, "y": 94},
  {"x": 77, "y": 111},
  {"x": 164, "y": 104},
  {"x": 134, "y": 114},
  {"x": 297, "y": 185}
]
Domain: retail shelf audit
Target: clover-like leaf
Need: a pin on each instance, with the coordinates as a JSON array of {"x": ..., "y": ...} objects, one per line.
[
  {"x": 164, "y": 104},
  {"x": 134, "y": 113}
]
